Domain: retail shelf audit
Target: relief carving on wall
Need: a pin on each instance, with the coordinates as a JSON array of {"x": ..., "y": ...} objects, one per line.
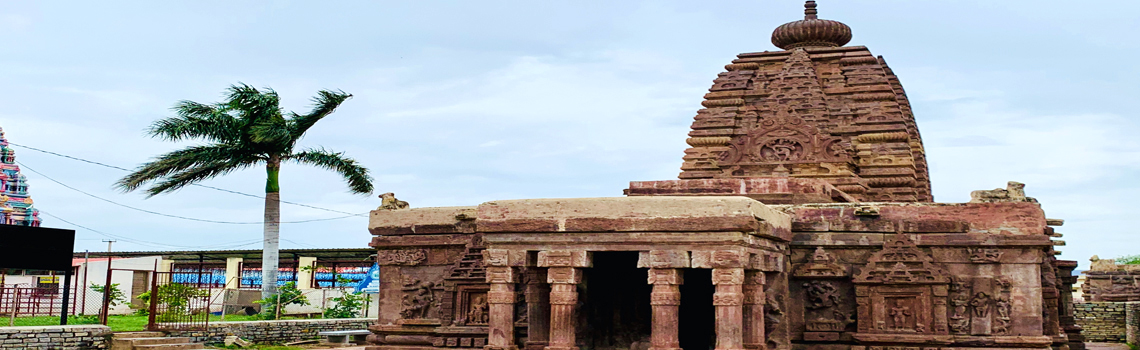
[
  {"x": 419, "y": 298},
  {"x": 477, "y": 311},
  {"x": 984, "y": 255},
  {"x": 406, "y": 257},
  {"x": 959, "y": 301},
  {"x": 1002, "y": 306},
  {"x": 783, "y": 138},
  {"x": 821, "y": 295},
  {"x": 773, "y": 316},
  {"x": 980, "y": 305}
]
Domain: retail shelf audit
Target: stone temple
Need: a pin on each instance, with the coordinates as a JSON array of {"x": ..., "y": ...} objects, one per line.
[{"x": 802, "y": 219}]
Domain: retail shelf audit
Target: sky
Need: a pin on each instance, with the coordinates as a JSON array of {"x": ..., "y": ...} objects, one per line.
[{"x": 462, "y": 102}]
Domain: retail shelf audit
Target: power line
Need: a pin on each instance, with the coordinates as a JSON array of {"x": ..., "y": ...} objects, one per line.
[
  {"x": 149, "y": 243},
  {"x": 198, "y": 185},
  {"x": 170, "y": 215}
]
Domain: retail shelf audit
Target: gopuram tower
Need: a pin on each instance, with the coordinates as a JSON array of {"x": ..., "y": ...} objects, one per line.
[
  {"x": 15, "y": 203},
  {"x": 802, "y": 220}
]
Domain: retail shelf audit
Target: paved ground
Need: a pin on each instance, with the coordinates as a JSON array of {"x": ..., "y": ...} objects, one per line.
[
  {"x": 1090, "y": 346},
  {"x": 1106, "y": 346}
]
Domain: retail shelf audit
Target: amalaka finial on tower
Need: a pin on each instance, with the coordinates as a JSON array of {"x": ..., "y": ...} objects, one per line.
[{"x": 811, "y": 31}]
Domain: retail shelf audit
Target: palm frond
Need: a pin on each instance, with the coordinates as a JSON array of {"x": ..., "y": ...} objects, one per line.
[
  {"x": 324, "y": 104},
  {"x": 355, "y": 175},
  {"x": 197, "y": 120},
  {"x": 254, "y": 106},
  {"x": 273, "y": 132},
  {"x": 181, "y": 160},
  {"x": 195, "y": 174}
]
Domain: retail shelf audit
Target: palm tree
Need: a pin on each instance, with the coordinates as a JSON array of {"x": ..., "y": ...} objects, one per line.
[{"x": 248, "y": 129}]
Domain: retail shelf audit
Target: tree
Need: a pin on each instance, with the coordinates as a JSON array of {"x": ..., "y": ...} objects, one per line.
[{"x": 248, "y": 129}]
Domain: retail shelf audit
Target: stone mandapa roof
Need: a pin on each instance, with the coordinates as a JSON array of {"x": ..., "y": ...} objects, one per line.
[{"x": 819, "y": 110}]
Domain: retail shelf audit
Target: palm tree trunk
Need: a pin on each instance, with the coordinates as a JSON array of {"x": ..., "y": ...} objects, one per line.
[{"x": 269, "y": 253}]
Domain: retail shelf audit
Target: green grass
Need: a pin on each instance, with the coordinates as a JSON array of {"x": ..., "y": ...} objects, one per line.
[{"x": 118, "y": 323}]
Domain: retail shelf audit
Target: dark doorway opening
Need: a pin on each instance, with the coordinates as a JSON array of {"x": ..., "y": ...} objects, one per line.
[
  {"x": 616, "y": 312},
  {"x": 698, "y": 318}
]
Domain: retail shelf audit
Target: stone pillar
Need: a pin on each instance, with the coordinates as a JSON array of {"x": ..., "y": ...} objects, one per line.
[
  {"x": 233, "y": 273},
  {"x": 665, "y": 275},
  {"x": 754, "y": 299},
  {"x": 501, "y": 308},
  {"x": 666, "y": 302},
  {"x": 729, "y": 301},
  {"x": 564, "y": 274},
  {"x": 537, "y": 309},
  {"x": 305, "y": 276},
  {"x": 502, "y": 275}
]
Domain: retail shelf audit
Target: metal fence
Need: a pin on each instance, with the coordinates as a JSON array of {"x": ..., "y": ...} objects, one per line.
[
  {"x": 337, "y": 274},
  {"x": 201, "y": 275},
  {"x": 177, "y": 305},
  {"x": 251, "y": 274},
  {"x": 27, "y": 305}
]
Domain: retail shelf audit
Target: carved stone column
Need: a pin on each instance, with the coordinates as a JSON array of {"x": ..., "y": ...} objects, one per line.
[
  {"x": 754, "y": 299},
  {"x": 564, "y": 274},
  {"x": 502, "y": 276},
  {"x": 729, "y": 301},
  {"x": 501, "y": 301},
  {"x": 538, "y": 309},
  {"x": 666, "y": 301}
]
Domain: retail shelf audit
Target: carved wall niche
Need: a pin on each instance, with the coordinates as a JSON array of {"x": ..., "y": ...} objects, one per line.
[
  {"x": 901, "y": 292},
  {"x": 980, "y": 306},
  {"x": 825, "y": 290},
  {"x": 471, "y": 306},
  {"x": 821, "y": 264}
]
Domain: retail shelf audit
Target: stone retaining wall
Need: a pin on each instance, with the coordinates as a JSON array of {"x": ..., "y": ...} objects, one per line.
[
  {"x": 273, "y": 332},
  {"x": 1102, "y": 321},
  {"x": 56, "y": 337}
]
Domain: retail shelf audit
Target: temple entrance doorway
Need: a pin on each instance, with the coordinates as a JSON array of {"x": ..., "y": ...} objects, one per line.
[
  {"x": 697, "y": 317},
  {"x": 616, "y": 312}
]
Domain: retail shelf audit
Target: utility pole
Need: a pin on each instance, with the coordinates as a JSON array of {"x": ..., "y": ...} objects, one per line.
[{"x": 107, "y": 286}]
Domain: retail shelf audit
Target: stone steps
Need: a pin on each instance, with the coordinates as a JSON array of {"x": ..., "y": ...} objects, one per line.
[{"x": 151, "y": 341}]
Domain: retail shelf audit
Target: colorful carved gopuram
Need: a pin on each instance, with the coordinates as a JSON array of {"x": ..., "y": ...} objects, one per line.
[
  {"x": 802, "y": 219},
  {"x": 15, "y": 204}
]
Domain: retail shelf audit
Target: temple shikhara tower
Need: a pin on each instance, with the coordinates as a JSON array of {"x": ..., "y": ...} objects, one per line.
[
  {"x": 15, "y": 204},
  {"x": 802, "y": 219}
]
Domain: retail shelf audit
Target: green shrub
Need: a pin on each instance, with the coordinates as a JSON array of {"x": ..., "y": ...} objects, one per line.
[
  {"x": 1129, "y": 260},
  {"x": 175, "y": 298},
  {"x": 288, "y": 294},
  {"x": 346, "y": 306},
  {"x": 116, "y": 294}
]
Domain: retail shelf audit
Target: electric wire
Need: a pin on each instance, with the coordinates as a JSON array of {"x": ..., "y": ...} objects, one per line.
[
  {"x": 172, "y": 215},
  {"x": 150, "y": 243},
  {"x": 198, "y": 185}
]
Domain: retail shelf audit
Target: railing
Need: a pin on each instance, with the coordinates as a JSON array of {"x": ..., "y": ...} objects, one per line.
[
  {"x": 177, "y": 306},
  {"x": 25, "y": 302},
  {"x": 251, "y": 275},
  {"x": 201, "y": 275},
  {"x": 337, "y": 274}
]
